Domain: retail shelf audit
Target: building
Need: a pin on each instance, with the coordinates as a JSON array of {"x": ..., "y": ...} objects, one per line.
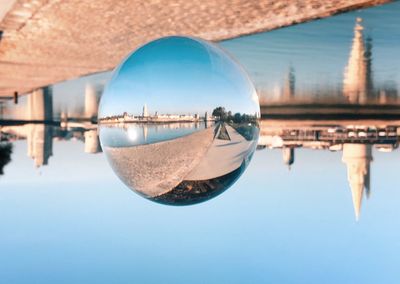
[
  {"x": 92, "y": 143},
  {"x": 357, "y": 158},
  {"x": 145, "y": 113},
  {"x": 357, "y": 83},
  {"x": 289, "y": 85},
  {"x": 92, "y": 97}
]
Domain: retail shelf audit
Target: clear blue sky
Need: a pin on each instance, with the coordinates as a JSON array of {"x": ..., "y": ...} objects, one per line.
[{"x": 272, "y": 226}]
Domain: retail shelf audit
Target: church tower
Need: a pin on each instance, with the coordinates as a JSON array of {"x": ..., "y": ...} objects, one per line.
[
  {"x": 145, "y": 112},
  {"x": 357, "y": 158}
]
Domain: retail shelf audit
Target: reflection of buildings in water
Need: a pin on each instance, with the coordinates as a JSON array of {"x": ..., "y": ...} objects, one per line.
[
  {"x": 92, "y": 142},
  {"x": 40, "y": 139},
  {"x": 40, "y": 143},
  {"x": 357, "y": 158},
  {"x": 357, "y": 73},
  {"x": 159, "y": 126},
  {"x": 355, "y": 142},
  {"x": 288, "y": 155},
  {"x": 5, "y": 155},
  {"x": 145, "y": 131}
]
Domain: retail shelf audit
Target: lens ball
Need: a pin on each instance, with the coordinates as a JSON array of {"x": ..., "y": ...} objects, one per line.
[{"x": 178, "y": 120}]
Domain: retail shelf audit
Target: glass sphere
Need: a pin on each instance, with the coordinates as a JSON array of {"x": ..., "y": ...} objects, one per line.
[{"x": 178, "y": 120}]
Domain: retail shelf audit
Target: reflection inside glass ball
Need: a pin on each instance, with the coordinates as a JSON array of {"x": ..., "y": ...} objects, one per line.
[{"x": 178, "y": 121}]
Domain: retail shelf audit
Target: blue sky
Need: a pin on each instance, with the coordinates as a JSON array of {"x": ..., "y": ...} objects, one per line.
[{"x": 273, "y": 225}]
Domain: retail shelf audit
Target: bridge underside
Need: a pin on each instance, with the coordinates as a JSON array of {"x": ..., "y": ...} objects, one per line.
[{"x": 47, "y": 41}]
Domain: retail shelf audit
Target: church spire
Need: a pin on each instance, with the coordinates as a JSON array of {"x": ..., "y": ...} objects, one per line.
[
  {"x": 357, "y": 74},
  {"x": 145, "y": 112},
  {"x": 357, "y": 158}
]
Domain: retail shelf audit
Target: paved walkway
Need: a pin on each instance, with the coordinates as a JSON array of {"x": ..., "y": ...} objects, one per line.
[{"x": 223, "y": 157}]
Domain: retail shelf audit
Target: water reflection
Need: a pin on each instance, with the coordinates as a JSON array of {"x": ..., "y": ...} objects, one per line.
[
  {"x": 5, "y": 155},
  {"x": 40, "y": 138},
  {"x": 355, "y": 138},
  {"x": 35, "y": 121}
]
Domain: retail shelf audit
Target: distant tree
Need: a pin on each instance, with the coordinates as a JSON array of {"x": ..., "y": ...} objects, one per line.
[
  {"x": 237, "y": 118},
  {"x": 220, "y": 113},
  {"x": 229, "y": 116}
]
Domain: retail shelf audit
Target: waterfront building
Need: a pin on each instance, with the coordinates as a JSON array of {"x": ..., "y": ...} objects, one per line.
[
  {"x": 357, "y": 158},
  {"x": 92, "y": 143},
  {"x": 145, "y": 112}
]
